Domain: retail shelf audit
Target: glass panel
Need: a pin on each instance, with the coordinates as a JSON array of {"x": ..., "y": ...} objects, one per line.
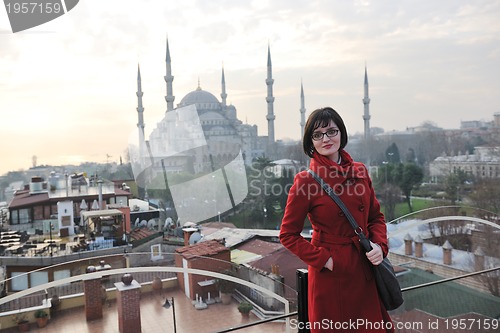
[
  {"x": 38, "y": 278},
  {"x": 19, "y": 281}
]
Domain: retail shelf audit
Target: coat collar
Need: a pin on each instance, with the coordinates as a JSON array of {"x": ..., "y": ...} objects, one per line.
[{"x": 327, "y": 169}]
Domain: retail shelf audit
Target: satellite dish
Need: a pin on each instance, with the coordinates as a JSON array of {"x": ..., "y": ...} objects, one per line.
[
  {"x": 151, "y": 224},
  {"x": 195, "y": 238},
  {"x": 169, "y": 223}
]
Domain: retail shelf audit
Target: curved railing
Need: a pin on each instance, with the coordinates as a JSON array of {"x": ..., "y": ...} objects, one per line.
[{"x": 259, "y": 294}]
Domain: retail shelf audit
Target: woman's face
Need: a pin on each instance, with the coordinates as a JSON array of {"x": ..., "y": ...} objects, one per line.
[{"x": 327, "y": 140}]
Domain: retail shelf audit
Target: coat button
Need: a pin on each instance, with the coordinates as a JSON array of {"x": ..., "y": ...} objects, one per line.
[
  {"x": 361, "y": 207},
  {"x": 341, "y": 213}
]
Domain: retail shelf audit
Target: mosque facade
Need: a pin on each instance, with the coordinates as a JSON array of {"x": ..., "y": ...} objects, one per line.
[{"x": 201, "y": 133}]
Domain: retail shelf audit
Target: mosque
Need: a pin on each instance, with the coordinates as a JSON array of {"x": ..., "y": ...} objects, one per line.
[{"x": 202, "y": 134}]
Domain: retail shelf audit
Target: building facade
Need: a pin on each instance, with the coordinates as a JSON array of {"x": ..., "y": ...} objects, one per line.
[
  {"x": 484, "y": 163},
  {"x": 56, "y": 203}
]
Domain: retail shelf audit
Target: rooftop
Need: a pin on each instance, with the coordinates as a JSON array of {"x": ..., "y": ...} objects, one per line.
[{"x": 207, "y": 248}]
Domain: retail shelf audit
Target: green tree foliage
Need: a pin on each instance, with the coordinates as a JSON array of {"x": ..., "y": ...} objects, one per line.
[
  {"x": 394, "y": 179},
  {"x": 392, "y": 154},
  {"x": 409, "y": 176}
]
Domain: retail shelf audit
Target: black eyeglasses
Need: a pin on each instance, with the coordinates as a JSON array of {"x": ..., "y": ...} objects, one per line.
[{"x": 316, "y": 136}]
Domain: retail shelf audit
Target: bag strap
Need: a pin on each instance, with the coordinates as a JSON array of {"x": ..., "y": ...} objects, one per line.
[{"x": 331, "y": 193}]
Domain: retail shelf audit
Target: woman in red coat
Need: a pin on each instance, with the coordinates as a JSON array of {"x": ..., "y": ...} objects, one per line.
[{"x": 341, "y": 288}]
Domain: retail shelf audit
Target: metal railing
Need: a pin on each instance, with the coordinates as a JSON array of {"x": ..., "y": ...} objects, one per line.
[{"x": 302, "y": 315}]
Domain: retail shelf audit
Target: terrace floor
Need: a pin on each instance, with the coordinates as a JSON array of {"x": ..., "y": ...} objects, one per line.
[{"x": 156, "y": 319}]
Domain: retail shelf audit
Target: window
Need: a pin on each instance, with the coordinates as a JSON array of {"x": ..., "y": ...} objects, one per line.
[
  {"x": 24, "y": 216},
  {"x": 19, "y": 281},
  {"x": 14, "y": 219},
  {"x": 62, "y": 274},
  {"x": 38, "y": 278}
]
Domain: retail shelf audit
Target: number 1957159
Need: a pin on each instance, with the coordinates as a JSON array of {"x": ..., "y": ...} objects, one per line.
[{"x": 33, "y": 7}]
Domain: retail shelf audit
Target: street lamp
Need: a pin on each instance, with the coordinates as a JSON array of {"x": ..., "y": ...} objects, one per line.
[
  {"x": 168, "y": 303},
  {"x": 390, "y": 157},
  {"x": 265, "y": 215},
  {"x": 385, "y": 168}
]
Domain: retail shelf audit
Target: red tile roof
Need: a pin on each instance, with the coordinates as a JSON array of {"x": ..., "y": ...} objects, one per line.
[
  {"x": 205, "y": 249},
  {"x": 141, "y": 233}
]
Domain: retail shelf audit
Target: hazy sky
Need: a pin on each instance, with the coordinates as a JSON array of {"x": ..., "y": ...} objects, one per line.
[{"x": 67, "y": 88}]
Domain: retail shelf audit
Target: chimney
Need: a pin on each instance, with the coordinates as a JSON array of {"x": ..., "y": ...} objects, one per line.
[
  {"x": 479, "y": 259},
  {"x": 187, "y": 232},
  {"x": 419, "y": 247},
  {"x": 275, "y": 269},
  {"x": 99, "y": 184},
  {"x": 67, "y": 189},
  {"x": 408, "y": 245},
  {"x": 447, "y": 248}
]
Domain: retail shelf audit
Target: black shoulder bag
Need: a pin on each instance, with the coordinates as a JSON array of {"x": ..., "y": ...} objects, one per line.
[{"x": 387, "y": 283}]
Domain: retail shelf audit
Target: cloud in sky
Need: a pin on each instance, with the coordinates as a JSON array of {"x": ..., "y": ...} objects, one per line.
[{"x": 67, "y": 87}]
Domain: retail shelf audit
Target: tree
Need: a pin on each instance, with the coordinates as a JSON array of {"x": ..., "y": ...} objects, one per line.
[
  {"x": 390, "y": 198},
  {"x": 410, "y": 176},
  {"x": 388, "y": 192},
  {"x": 486, "y": 195},
  {"x": 392, "y": 154},
  {"x": 453, "y": 182}
]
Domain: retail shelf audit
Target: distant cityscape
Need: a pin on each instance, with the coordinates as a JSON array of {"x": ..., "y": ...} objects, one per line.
[{"x": 202, "y": 135}]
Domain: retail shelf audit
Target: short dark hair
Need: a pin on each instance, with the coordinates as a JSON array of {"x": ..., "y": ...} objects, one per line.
[{"x": 321, "y": 118}]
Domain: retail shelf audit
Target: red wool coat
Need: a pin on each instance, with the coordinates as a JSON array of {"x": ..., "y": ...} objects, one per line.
[{"x": 345, "y": 299}]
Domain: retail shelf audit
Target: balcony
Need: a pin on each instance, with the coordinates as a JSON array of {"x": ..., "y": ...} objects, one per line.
[{"x": 459, "y": 295}]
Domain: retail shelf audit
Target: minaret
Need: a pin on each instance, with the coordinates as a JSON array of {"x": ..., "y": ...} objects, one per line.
[
  {"x": 366, "y": 102},
  {"x": 169, "y": 79},
  {"x": 270, "y": 99},
  {"x": 140, "y": 114},
  {"x": 302, "y": 111},
  {"x": 223, "y": 95}
]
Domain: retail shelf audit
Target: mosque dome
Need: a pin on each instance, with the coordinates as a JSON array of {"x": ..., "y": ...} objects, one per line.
[{"x": 200, "y": 98}]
